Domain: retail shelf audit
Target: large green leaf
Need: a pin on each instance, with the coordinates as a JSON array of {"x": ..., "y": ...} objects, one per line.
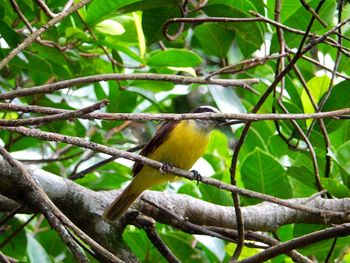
[
  {"x": 181, "y": 245},
  {"x": 36, "y": 252},
  {"x": 261, "y": 172},
  {"x": 154, "y": 19},
  {"x": 253, "y": 140},
  {"x": 343, "y": 155},
  {"x": 213, "y": 39},
  {"x": 249, "y": 36},
  {"x": 174, "y": 57},
  {"x": 140, "y": 245},
  {"x": 339, "y": 99},
  {"x": 335, "y": 188},
  {"x": 16, "y": 247},
  {"x": 215, "y": 195},
  {"x": 99, "y": 9},
  {"x": 317, "y": 87}
]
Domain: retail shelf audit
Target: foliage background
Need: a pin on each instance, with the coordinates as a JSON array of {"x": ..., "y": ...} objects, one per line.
[{"x": 127, "y": 37}]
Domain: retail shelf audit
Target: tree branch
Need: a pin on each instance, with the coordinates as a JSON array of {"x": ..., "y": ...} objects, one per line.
[
  {"x": 85, "y": 207},
  {"x": 159, "y": 165},
  {"x": 178, "y": 116},
  {"x": 49, "y": 88},
  {"x": 31, "y": 38}
]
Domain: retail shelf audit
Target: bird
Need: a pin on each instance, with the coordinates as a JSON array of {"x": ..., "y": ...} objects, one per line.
[{"x": 175, "y": 143}]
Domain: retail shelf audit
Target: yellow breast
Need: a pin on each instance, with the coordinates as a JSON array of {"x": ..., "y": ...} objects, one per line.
[{"x": 183, "y": 147}]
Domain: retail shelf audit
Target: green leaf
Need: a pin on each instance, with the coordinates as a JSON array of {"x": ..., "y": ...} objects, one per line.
[
  {"x": 277, "y": 146},
  {"x": 317, "y": 87},
  {"x": 36, "y": 252},
  {"x": 298, "y": 17},
  {"x": 261, "y": 172},
  {"x": 339, "y": 99},
  {"x": 248, "y": 36},
  {"x": 213, "y": 39},
  {"x": 335, "y": 188},
  {"x": 17, "y": 246},
  {"x": 154, "y": 19},
  {"x": 140, "y": 35},
  {"x": 181, "y": 245},
  {"x": 300, "y": 189},
  {"x": 342, "y": 163},
  {"x": 302, "y": 174},
  {"x": 215, "y": 195},
  {"x": 253, "y": 140},
  {"x": 139, "y": 243},
  {"x": 174, "y": 57},
  {"x": 154, "y": 86},
  {"x": 99, "y": 9},
  {"x": 110, "y": 27},
  {"x": 226, "y": 99},
  {"x": 100, "y": 93},
  {"x": 11, "y": 37},
  {"x": 120, "y": 100},
  {"x": 75, "y": 33}
]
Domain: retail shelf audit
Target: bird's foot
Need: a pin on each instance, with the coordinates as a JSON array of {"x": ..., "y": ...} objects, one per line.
[
  {"x": 197, "y": 176},
  {"x": 166, "y": 167}
]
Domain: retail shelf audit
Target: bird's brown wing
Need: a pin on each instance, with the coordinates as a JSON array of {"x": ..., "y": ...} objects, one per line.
[{"x": 160, "y": 136}]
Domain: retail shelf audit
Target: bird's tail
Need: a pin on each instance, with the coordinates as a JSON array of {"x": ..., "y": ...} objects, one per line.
[{"x": 122, "y": 203}]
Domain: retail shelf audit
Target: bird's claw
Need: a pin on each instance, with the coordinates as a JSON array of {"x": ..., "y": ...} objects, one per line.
[
  {"x": 166, "y": 167},
  {"x": 197, "y": 176}
]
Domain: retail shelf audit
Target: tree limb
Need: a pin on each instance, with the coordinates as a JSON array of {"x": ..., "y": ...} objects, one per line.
[{"x": 85, "y": 206}]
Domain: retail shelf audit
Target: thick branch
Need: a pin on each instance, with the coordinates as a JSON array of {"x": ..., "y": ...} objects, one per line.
[
  {"x": 84, "y": 207},
  {"x": 174, "y": 170},
  {"x": 20, "y": 190}
]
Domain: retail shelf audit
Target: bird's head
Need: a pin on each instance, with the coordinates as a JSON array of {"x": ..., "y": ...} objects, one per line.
[{"x": 205, "y": 124}]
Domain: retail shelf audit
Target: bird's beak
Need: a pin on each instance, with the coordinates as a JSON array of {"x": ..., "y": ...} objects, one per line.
[
  {"x": 221, "y": 122},
  {"x": 225, "y": 122}
]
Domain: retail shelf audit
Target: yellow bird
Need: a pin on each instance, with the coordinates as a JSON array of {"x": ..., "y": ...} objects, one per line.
[{"x": 177, "y": 143}]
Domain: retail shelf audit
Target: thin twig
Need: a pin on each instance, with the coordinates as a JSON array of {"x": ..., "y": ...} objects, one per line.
[
  {"x": 52, "y": 87},
  {"x": 231, "y": 233},
  {"x": 60, "y": 116},
  {"x": 16, "y": 231},
  {"x": 4, "y": 259},
  {"x": 198, "y": 20},
  {"x": 48, "y": 11},
  {"x": 327, "y": 40},
  {"x": 337, "y": 231},
  {"x": 31, "y": 38},
  {"x": 148, "y": 224},
  {"x": 331, "y": 250},
  {"x": 318, "y": 64},
  {"x": 101, "y": 163},
  {"x": 21, "y": 15},
  {"x": 313, "y": 13},
  {"x": 336, "y": 114},
  {"x": 48, "y": 160},
  {"x": 243, "y": 65},
  {"x": 186, "y": 225},
  {"x": 10, "y": 215}
]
